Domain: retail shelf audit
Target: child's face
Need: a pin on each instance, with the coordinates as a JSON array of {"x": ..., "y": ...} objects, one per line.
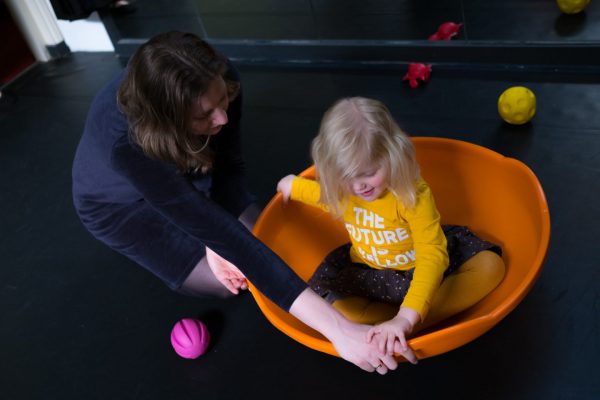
[{"x": 369, "y": 183}]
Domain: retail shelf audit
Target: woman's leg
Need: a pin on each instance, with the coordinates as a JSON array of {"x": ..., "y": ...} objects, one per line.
[
  {"x": 201, "y": 281},
  {"x": 473, "y": 280},
  {"x": 249, "y": 216}
]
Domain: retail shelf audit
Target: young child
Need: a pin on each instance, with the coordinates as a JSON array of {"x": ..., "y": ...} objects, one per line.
[{"x": 368, "y": 175}]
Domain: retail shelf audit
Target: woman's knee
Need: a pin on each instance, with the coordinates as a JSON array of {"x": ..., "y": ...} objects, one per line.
[
  {"x": 249, "y": 216},
  {"x": 204, "y": 291},
  {"x": 201, "y": 282}
]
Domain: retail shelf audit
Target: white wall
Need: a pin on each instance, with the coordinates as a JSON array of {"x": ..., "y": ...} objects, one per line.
[
  {"x": 86, "y": 34},
  {"x": 41, "y": 29}
]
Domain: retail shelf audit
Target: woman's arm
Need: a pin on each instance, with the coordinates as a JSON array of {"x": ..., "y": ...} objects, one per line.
[{"x": 174, "y": 196}]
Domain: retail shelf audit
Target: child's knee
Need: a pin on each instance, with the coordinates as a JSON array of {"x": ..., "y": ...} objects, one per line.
[
  {"x": 365, "y": 311},
  {"x": 488, "y": 265}
]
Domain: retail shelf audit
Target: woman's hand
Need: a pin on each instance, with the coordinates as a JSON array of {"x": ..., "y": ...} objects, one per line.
[
  {"x": 348, "y": 338},
  {"x": 352, "y": 345},
  {"x": 285, "y": 187},
  {"x": 226, "y": 273},
  {"x": 392, "y": 334}
]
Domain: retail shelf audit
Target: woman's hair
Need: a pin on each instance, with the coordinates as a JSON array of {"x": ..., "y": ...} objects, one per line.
[
  {"x": 358, "y": 133},
  {"x": 165, "y": 76}
]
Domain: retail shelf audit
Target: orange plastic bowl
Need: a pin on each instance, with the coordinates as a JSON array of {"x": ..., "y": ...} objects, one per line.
[{"x": 499, "y": 198}]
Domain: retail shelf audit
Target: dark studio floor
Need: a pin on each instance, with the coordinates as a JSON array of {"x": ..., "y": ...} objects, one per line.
[{"x": 79, "y": 321}]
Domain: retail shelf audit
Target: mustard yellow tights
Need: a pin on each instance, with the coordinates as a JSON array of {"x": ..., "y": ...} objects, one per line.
[{"x": 473, "y": 280}]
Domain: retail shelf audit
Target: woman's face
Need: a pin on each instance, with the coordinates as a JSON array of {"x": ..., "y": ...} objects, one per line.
[{"x": 209, "y": 112}]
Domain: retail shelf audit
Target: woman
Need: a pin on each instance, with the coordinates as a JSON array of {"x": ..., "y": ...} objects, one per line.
[{"x": 158, "y": 176}]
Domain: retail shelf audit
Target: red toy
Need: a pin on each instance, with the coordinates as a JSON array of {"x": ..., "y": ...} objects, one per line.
[
  {"x": 446, "y": 31},
  {"x": 417, "y": 71}
]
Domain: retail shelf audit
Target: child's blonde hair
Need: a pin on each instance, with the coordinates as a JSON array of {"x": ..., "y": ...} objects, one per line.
[{"x": 356, "y": 133}]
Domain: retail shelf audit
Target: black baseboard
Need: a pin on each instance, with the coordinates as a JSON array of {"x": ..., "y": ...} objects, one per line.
[
  {"x": 476, "y": 53},
  {"x": 515, "y": 57},
  {"x": 59, "y": 50}
]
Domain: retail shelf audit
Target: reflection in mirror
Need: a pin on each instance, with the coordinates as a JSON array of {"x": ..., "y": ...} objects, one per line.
[{"x": 391, "y": 29}]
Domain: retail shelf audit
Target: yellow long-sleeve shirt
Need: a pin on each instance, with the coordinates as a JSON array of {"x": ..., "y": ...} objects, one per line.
[{"x": 385, "y": 234}]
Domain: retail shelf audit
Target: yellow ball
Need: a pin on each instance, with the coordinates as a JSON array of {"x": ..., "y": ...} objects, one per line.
[
  {"x": 516, "y": 105},
  {"x": 572, "y": 6}
]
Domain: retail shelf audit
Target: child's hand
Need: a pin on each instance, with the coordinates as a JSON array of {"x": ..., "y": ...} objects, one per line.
[
  {"x": 285, "y": 187},
  {"x": 393, "y": 334}
]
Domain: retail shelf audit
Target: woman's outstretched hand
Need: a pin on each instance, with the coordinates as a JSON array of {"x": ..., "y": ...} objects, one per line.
[
  {"x": 348, "y": 338},
  {"x": 352, "y": 345},
  {"x": 226, "y": 273},
  {"x": 284, "y": 186}
]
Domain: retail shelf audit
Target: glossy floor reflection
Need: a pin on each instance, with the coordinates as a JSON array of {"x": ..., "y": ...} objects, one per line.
[
  {"x": 497, "y": 20},
  {"x": 79, "y": 321}
]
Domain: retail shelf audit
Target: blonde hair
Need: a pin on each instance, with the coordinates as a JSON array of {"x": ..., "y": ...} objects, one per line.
[
  {"x": 165, "y": 76},
  {"x": 358, "y": 132}
]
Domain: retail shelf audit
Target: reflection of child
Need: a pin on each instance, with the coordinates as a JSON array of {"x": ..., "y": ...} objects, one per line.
[{"x": 398, "y": 252}]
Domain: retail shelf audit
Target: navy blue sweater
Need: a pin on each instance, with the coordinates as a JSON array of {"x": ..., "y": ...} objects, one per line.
[{"x": 110, "y": 172}]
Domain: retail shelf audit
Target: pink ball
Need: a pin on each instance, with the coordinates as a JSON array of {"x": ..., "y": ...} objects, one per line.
[{"x": 190, "y": 338}]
